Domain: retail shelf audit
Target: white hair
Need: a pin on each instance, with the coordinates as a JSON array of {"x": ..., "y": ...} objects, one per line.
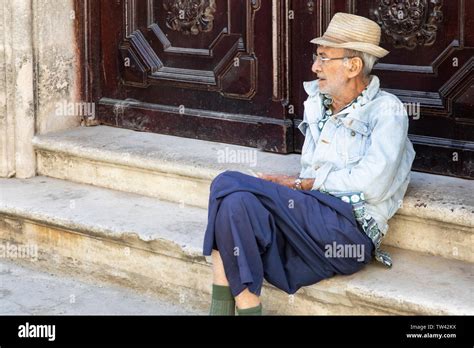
[{"x": 368, "y": 60}]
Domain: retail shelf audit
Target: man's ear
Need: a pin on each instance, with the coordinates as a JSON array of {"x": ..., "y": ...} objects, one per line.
[{"x": 355, "y": 67}]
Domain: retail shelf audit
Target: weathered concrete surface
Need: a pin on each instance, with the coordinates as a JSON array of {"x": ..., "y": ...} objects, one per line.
[
  {"x": 24, "y": 291},
  {"x": 162, "y": 153},
  {"x": 38, "y": 70},
  {"x": 440, "y": 198},
  {"x": 7, "y": 143},
  {"x": 57, "y": 68},
  {"x": 150, "y": 245},
  {"x": 17, "y": 111},
  {"x": 167, "y": 167},
  {"x": 104, "y": 213},
  {"x": 437, "y": 215}
]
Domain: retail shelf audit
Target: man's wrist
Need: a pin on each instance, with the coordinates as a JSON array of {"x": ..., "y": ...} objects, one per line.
[
  {"x": 303, "y": 184},
  {"x": 297, "y": 185}
]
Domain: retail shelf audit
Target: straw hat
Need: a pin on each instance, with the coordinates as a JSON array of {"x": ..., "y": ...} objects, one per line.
[{"x": 353, "y": 32}]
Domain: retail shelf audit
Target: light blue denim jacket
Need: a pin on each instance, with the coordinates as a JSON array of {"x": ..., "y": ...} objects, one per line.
[{"x": 363, "y": 148}]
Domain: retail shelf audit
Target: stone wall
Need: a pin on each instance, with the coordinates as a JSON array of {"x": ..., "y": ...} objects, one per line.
[{"x": 38, "y": 72}]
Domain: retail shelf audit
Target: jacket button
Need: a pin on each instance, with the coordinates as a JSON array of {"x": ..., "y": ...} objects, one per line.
[{"x": 353, "y": 133}]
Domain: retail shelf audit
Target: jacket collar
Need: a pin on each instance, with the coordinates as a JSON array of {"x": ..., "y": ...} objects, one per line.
[
  {"x": 311, "y": 87},
  {"x": 355, "y": 119}
]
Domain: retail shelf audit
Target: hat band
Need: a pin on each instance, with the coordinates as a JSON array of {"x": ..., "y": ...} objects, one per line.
[{"x": 346, "y": 39}]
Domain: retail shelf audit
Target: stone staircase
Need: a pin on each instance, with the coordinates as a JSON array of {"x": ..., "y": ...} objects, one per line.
[
  {"x": 130, "y": 208},
  {"x": 26, "y": 291}
]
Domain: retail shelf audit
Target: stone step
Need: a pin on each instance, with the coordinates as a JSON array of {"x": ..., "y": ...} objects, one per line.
[
  {"x": 150, "y": 245},
  {"x": 29, "y": 291},
  {"x": 437, "y": 216}
]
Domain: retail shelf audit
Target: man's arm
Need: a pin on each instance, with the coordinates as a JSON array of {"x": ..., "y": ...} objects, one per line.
[{"x": 288, "y": 180}]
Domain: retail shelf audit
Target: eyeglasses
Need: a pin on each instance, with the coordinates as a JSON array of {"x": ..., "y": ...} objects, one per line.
[{"x": 323, "y": 60}]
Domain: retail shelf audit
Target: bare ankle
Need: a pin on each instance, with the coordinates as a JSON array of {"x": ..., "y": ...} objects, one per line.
[{"x": 246, "y": 299}]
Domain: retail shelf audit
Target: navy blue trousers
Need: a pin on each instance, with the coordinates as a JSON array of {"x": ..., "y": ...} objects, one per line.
[{"x": 263, "y": 230}]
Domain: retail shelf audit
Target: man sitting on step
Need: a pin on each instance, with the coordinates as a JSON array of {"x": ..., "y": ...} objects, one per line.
[{"x": 356, "y": 162}]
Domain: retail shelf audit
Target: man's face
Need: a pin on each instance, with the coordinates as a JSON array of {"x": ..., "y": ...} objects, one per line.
[{"x": 332, "y": 74}]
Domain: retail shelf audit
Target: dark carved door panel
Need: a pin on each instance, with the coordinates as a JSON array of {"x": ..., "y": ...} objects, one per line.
[
  {"x": 232, "y": 71},
  {"x": 208, "y": 69},
  {"x": 430, "y": 68}
]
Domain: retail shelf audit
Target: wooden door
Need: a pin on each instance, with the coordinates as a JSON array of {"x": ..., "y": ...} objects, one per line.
[
  {"x": 430, "y": 68},
  {"x": 232, "y": 71},
  {"x": 206, "y": 69}
]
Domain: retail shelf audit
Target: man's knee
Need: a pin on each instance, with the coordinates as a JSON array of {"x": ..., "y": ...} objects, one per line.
[
  {"x": 224, "y": 177},
  {"x": 233, "y": 207},
  {"x": 237, "y": 200}
]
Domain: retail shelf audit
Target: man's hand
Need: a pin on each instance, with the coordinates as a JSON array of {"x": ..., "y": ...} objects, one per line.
[{"x": 287, "y": 180}]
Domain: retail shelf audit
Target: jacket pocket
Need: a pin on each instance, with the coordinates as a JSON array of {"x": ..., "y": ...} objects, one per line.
[{"x": 352, "y": 143}]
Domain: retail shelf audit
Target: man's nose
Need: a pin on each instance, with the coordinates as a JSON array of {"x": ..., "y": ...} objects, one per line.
[{"x": 316, "y": 66}]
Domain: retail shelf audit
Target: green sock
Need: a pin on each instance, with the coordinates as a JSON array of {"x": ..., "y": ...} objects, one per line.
[
  {"x": 250, "y": 311},
  {"x": 223, "y": 302}
]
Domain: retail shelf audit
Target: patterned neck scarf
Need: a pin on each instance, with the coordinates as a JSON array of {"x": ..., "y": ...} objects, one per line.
[{"x": 327, "y": 102}]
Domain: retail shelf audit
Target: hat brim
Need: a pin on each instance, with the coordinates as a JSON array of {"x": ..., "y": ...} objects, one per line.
[{"x": 372, "y": 49}]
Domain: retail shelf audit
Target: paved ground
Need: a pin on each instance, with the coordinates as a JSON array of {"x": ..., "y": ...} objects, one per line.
[{"x": 25, "y": 291}]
